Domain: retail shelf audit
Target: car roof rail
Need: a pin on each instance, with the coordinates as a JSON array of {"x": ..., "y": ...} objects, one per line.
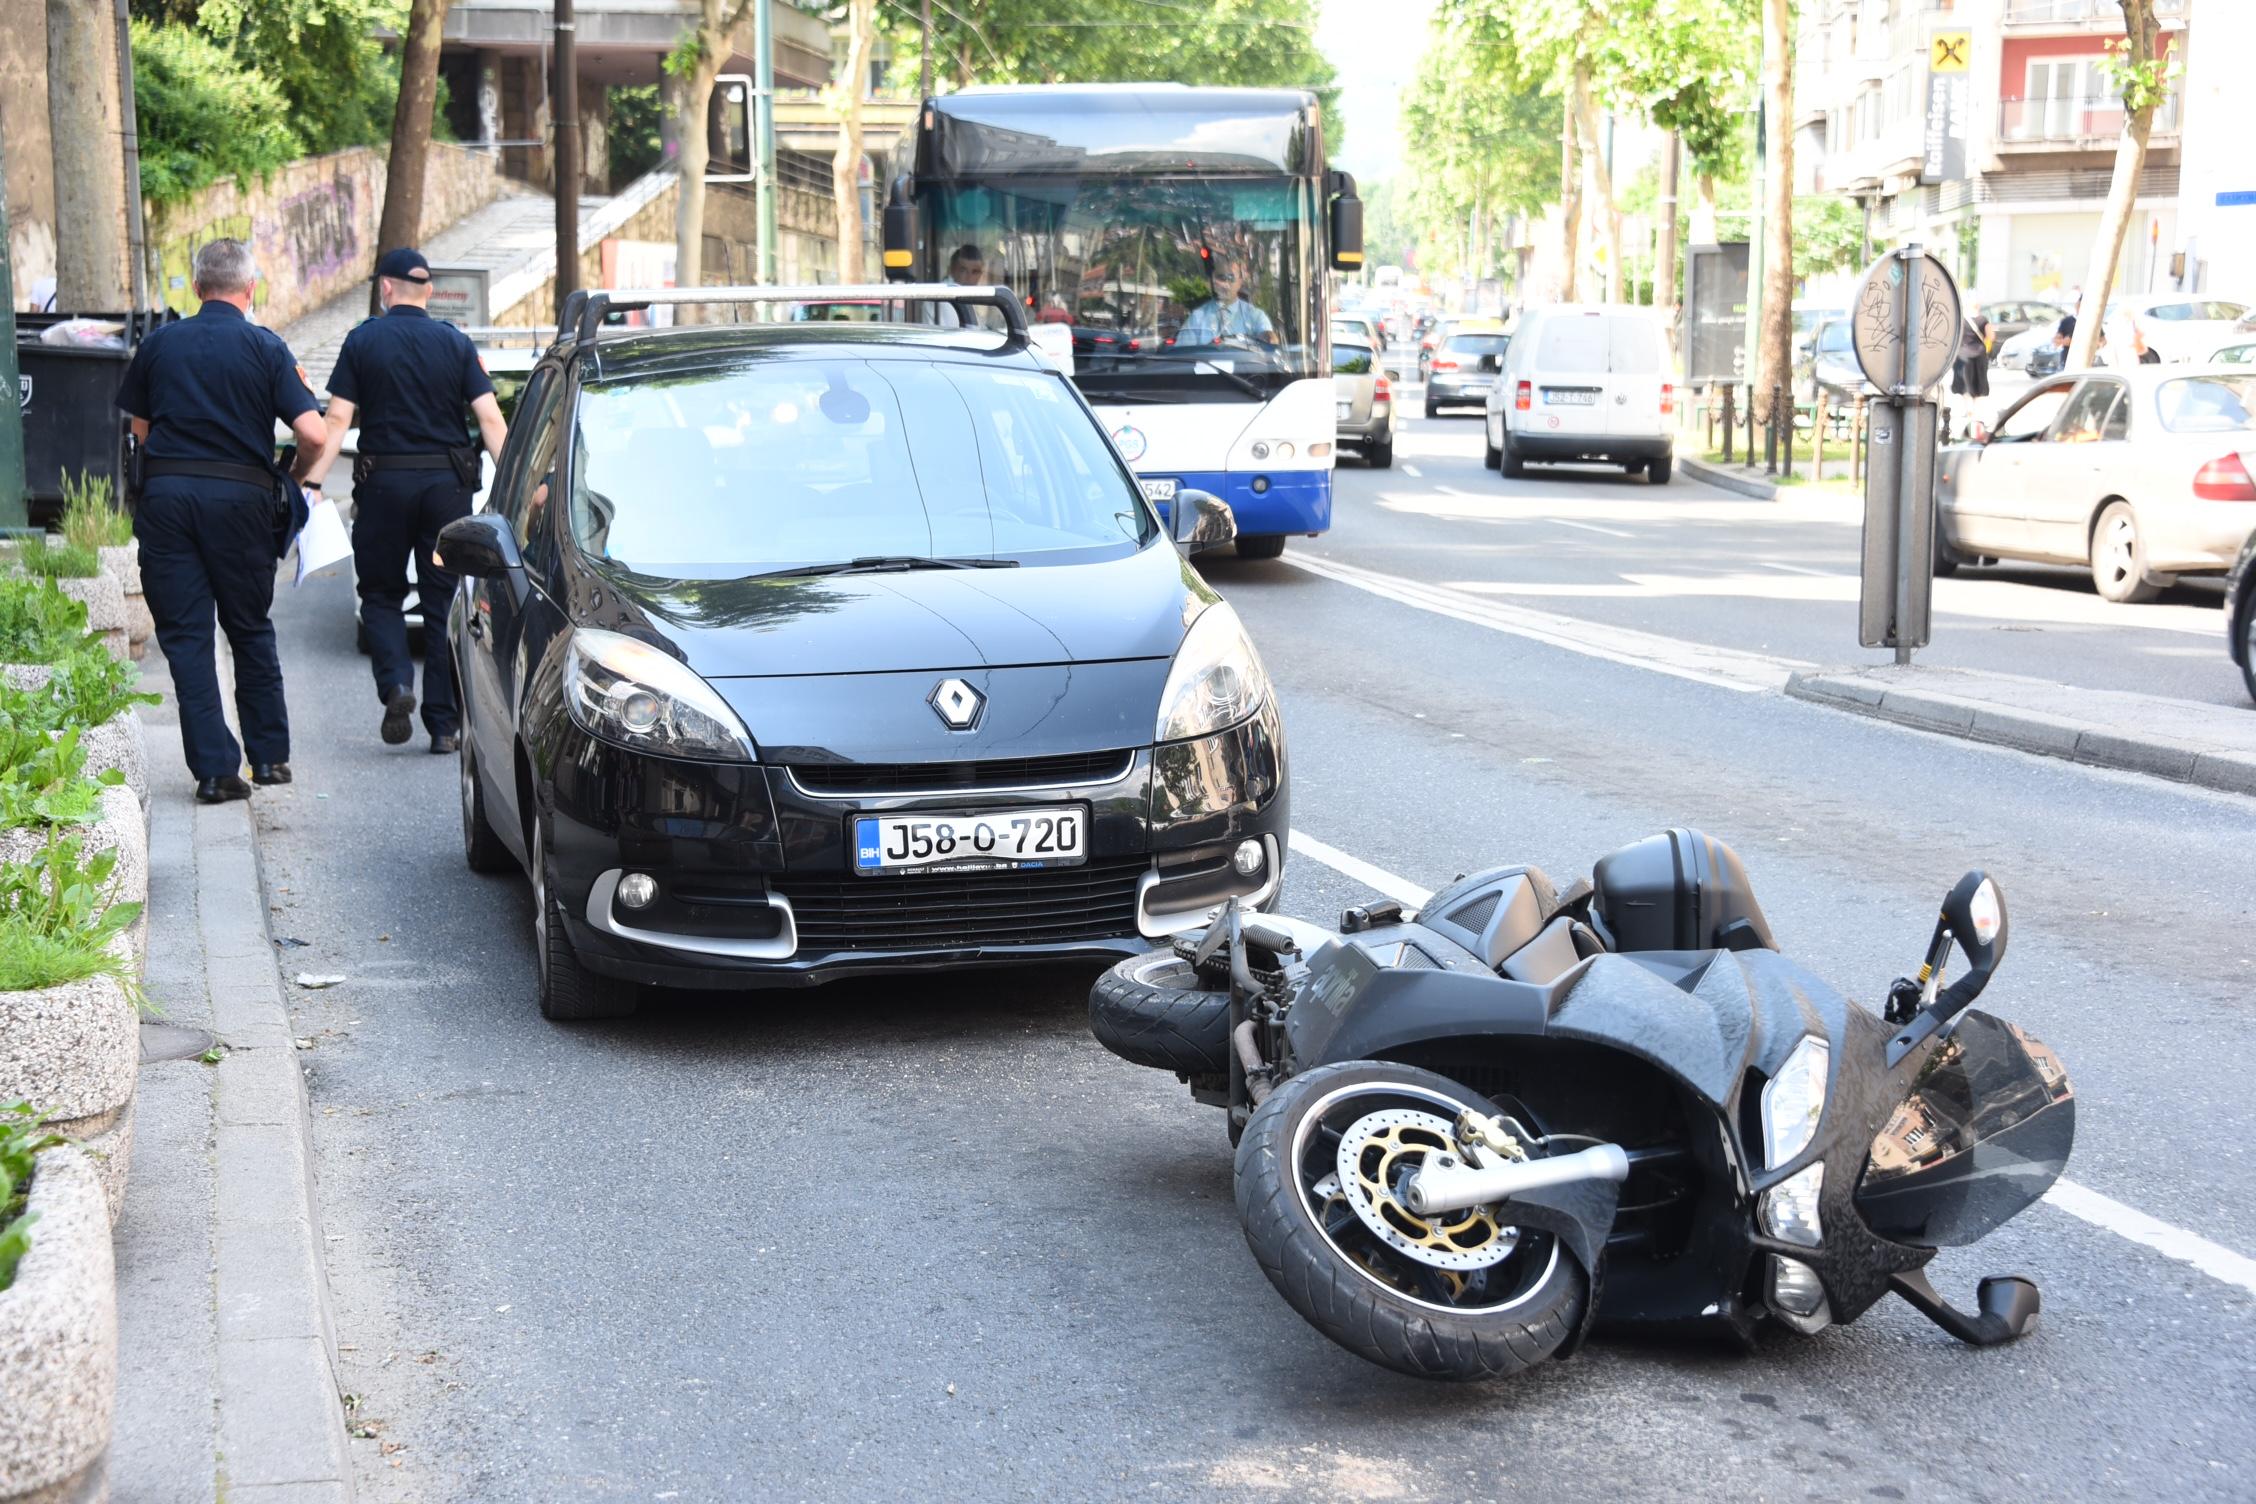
[{"x": 583, "y": 313}]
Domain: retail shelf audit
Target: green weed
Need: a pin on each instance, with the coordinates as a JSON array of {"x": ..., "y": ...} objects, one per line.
[{"x": 22, "y": 1136}]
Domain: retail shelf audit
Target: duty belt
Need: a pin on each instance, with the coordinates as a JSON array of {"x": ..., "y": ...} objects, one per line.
[
  {"x": 249, "y": 475},
  {"x": 439, "y": 461}
]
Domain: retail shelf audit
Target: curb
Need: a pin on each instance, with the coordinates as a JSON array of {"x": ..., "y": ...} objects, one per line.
[
  {"x": 1727, "y": 480},
  {"x": 2031, "y": 731}
]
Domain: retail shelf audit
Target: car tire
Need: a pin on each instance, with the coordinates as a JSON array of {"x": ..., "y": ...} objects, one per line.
[
  {"x": 482, "y": 850},
  {"x": 1657, "y": 471},
  {"x": 1261, "y": 546},
  {"x": 1947, "y": 558},
  {"x": 1431, "y": 410},
  {"x": 1351, "y": 1306},
  {"x": 1491, "y": 456},
  {"x": 2248, "y": 647},
  {"x": 2118, "y": 557},
  {"x": 569, "y": 992},
  {"x": 1380, "y": 456},
  {"x": 1154, "y": 1010},
  {"x": 1508, "y": 460}
]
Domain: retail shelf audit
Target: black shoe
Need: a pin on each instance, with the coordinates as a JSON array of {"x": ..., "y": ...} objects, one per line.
[
  {"x": 445, "y": 744},
  {"x": 222, "y": 789},
  {"x": 399, "y": 712},
  {"x": 270, "y": 772}
]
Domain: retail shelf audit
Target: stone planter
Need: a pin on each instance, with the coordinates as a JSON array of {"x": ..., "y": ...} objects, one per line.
[
  {"x": 121, "y": 827},
  {"x": 123, "y": 561},
  {"x": 119, "y": 742},
  {"x": 104, "y": 599},
  {"x": 58, "y": 1343},
  {"x": 74, "y": 1053}
]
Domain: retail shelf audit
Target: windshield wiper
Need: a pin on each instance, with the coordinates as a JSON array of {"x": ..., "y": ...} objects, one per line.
[{"x": 885, "y": 563}]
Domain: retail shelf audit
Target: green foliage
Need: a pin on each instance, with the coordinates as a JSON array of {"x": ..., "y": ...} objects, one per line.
[
  {"x": 55, "y": 922},
  {"x": 85, "y": 688},
  {"x": 2140, "y": 84},
  {"x": 40, "y": 624},
  {"x": 1828, "y": 235},
  {"x": 89, "y": 520},
  {"x": 47, "y": 558},
  {"x": 23, "y": 1137},
  {"x": 633, "y": 138},
  {"x": 204, "y": 114},
  {"x": 42, "y": 777}
]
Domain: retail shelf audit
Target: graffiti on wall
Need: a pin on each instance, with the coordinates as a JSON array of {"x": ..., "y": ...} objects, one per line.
[
  {"x": 301, "y": 242},
  {"x": 178, "y": 255}
]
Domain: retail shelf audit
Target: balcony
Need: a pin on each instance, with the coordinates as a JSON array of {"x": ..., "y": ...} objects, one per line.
[
  {"x": 2069, "y": 123},
  {"x": 2081, "y": 12}
]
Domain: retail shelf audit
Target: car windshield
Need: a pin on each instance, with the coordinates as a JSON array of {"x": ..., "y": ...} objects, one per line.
[
  {"x": 770, "y": 464},
  {"x": 2207, "y": 404},
  {"x": 1833, "y": 339},
  {"x": 1350, "y": 360}
]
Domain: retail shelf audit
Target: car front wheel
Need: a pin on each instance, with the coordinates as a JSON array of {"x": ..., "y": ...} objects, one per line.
[{"x": 568, "y": 990}]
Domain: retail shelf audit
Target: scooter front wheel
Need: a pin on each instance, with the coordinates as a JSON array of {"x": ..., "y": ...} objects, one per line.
[{"x": 1455, "y": 1296}]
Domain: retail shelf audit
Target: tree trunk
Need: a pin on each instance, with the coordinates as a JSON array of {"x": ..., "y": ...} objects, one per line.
[
  {"x": 1570, "y": 186},
  {"x": 1664, "y": 256},
  {"x": 2144, "y": 34},
  {"x": 1776, "y": 350},
  {"x": 89, "y": 157},
  {"x": 1602, "y": 184},
  {"x": 402, "y": 220},
  {"x": 846, "y": 166},
  {"x": 696, "y": 156}
]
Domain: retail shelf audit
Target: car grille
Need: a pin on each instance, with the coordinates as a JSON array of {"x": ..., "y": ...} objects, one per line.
[
  {"x": 1096, "y": 901},
  {"x": 947, "y": 777}
]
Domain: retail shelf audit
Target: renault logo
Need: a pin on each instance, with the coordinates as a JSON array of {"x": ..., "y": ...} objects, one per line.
[{"x": 958, "y": 704}]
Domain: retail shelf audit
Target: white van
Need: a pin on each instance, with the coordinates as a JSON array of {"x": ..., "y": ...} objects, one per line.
[{"x": 1585, "y": 383}]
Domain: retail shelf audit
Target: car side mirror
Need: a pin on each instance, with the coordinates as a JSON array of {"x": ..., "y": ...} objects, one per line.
[
  {"x": 1203, "y": 520},
  {"x": 480, "y": 545}
]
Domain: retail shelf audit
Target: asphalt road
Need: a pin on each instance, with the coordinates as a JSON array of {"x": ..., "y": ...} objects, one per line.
[{"x": 925, "y": 1239}]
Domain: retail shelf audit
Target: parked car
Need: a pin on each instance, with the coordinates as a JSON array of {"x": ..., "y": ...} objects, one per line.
[
  {"x": 1808, "y": 315},
  {"x": 1834, "y": 373},
  {"x": 2016, "y": 353},
  {"x": 2243, "y": 354},
  {"x": 2014, "y": 316},
  {"x": 800, "y": 650},
  {"x": 2140, "y": 474},
  {"x": 2240, "y": 613},
  {"x": 1366, "y": 403},
  {"x": 1584, "y": 383},
  {"x": 2177, "y": 327},
  {"x": 1463, "y": 370},
  {"x": 1363, "y": 328}
]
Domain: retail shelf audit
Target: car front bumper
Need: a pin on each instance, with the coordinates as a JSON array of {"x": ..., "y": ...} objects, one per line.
[{"x": 756, "y": 887}]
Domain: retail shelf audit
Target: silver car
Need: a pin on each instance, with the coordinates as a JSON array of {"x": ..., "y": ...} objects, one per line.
[
  {"x": 1366, "y": 402},
  {"x": 2140, "y": 474}
]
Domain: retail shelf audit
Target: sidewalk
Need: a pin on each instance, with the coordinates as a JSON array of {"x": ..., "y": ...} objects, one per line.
[
  {"x": 226, "y": 1359},
  {"x": 2208, "y": 745}
]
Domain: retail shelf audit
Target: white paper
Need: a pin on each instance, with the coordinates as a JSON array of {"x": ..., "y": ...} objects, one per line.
[{"x": 324, "y": 541}]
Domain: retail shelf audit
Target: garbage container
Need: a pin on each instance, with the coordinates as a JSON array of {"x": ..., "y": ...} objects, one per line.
[{"x": 69, "y": 396}]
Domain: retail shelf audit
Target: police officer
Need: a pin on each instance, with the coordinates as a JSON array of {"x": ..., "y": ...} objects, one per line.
[
  {"x": 408, "y": 377},
  {"x": 203, "y": 395}
]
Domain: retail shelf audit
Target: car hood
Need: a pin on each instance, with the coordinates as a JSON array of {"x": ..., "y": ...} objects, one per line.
[{"x": 1122, "y": 609}]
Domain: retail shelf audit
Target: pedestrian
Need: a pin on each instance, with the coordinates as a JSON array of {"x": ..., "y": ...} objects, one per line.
[
  {"x": 214, "y": 512},
  {"x": 412, "y": 382},
  {"x": 1970, "y": 373}
]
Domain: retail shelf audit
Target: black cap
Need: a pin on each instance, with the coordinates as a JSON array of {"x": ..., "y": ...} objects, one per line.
[{"x": 404, "y": 265}]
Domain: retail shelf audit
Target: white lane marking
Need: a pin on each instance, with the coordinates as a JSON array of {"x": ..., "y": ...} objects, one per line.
[
  {"x": 2079, "y": 1201},
  {"x": 1725, "y": 668},
  {"x": 1823, "y": 574},
  {"x": 1413, "y": 471},
  {"x": 1592, "y": 527},
  {"x": 2212, "y": 1259},
  {"x": 1453, "y": 491}
]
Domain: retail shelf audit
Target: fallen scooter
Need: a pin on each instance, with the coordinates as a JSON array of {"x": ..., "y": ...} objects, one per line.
[{"x": 1467, "y": 1136}]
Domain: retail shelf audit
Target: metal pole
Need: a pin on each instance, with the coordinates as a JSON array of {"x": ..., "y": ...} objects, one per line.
[
  {"x": 136, "y": 234},
  {"x": 1908, "y": 454},
  {"x": 566, "y": 157},
  {"x": 763, "y": 78},
  {"x": 12, "y": 510}
]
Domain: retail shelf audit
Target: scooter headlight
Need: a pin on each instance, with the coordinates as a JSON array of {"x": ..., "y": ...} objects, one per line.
[
  {"x": 1793, "y": 1101},
  {"x": 630, "y": 693},
  {"x": 1796, "y": 1292},
  {"x": 1789, "y": 1208}
]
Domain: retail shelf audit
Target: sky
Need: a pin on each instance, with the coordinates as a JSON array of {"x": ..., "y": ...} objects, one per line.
[{"x": 1375, "y": 45}]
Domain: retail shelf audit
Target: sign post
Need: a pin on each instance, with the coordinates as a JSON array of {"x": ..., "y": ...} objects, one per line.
[{"x": 1905, "y": 330}]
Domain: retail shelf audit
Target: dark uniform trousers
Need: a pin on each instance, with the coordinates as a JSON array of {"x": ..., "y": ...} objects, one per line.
[
  {"x": 207, "y": 546},
  {"x": 396, "y": 513}
]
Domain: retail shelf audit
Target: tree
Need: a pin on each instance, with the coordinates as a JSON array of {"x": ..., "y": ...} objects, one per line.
[
  {"x": 1774, "y": 350},
  {"x": 719, "y": 33},
  {"x": 846, "y": 166},
  {"x": 1487, "y": 140},
  {"x": 401, "y": 222},
  {"x": 2141, "y": 76}
]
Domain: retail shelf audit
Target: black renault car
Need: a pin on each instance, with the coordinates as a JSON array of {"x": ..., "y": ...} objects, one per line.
[{"x": 792, "y": 651}]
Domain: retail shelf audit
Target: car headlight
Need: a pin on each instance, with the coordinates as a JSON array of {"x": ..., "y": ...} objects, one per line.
[
  {"x": 629, "y": 692},
  {"x": 1793, "y": 1101},
  {"x": 1217, "y": 680}
]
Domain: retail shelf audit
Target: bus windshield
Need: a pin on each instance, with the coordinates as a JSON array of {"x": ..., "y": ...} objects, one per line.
[{"x": 1206, "y": 285}]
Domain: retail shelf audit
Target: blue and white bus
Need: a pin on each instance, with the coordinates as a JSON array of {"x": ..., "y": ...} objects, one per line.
[{"x": 1186, "y": 238}]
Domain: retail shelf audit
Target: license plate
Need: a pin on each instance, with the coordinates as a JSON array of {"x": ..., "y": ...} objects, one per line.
[
  {"x": 1160, "y": 490},
  {"x": 1558, "y": 397},
  {"x": 1053, "y": 837}
]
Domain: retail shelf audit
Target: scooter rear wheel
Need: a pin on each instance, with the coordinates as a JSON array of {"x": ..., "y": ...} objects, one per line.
[{"x": 1450, "y": 1297}]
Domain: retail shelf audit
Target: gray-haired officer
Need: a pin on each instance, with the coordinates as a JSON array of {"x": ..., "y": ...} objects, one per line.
[
  {"x": 215, "y": 513},
  {"x": 409, "y": 378}
]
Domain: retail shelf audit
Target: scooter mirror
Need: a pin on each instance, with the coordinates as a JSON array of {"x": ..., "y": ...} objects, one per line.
[{"x": 1974, "y": 913}]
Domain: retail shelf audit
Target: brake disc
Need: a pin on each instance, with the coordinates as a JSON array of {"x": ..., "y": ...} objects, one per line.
[{"x": 1376, "y": 1156}]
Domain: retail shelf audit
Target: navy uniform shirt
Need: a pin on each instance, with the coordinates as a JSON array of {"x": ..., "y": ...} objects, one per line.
[
  {"x": 211, "y": 387},
  {"x": 409, "y": 377}
]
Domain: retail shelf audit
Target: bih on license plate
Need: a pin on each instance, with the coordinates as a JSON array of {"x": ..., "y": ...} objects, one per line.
[
  {"x": 1563, "y": 397},
  {"x": 1054, "y": 837},
  {"x": 1157, "y": 489}
]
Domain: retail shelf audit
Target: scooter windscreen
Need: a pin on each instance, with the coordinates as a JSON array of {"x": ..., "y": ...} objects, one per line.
[{"x": 1985, "y": 1131}]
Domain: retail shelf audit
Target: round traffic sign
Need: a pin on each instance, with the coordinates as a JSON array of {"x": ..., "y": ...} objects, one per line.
[{"x": 1876, "y": 324}]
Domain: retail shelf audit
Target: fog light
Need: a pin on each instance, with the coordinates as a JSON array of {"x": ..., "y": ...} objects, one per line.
[
  {"x": 1794, "y": 1287},
  {"x": 1260, "y": 485},
  {"x": 637, "y": 889},
  {"x": 1247, "y": 858}
]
